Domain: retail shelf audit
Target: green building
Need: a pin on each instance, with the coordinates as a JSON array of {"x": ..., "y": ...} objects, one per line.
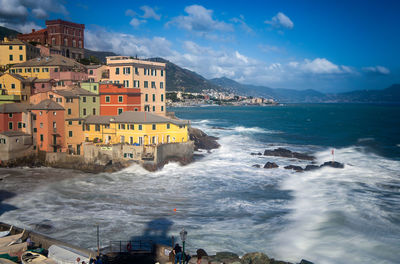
[
  {"x": 90, "y": 86},
  {"x": 89, "y": 102}
]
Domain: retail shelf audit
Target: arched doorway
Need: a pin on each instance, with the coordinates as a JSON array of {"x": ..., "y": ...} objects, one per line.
[{"x": 67, "y": 55}]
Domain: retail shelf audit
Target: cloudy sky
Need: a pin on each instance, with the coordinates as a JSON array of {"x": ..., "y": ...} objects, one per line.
[{"x": 330, "y": 46}]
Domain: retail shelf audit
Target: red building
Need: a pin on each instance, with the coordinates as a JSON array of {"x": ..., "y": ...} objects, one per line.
[
  {"x": 50, "y": 126},
  {"x": 62, "y": 37},
  {"x": 115, "y": 99},
  {"x": 14, "y": 117}
]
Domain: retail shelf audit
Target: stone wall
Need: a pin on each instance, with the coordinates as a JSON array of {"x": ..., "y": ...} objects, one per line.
[
  {"x": 182, "y": 152},
  {"x": 15, "y": 147}
]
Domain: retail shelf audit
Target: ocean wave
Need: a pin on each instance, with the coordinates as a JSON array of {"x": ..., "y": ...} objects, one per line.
[{"x": 242, "y": 129}]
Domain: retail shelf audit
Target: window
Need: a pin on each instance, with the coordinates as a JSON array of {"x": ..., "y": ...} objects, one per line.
[
  {"x": 146, "y": 98},
  {"x": 65, "y": 42},
  {"x": 10, "y": 115},
  {"x": 80, "y": 44},
  {"x": 145, "y": 71},
  {"x": 152, "y": 72},
  {"x": 87, "y": 128},
  {"x": 53, "y": 41},
  {"x": 34, "y": 130},
  {"x": 54, "y": 125},
  {"x": 11, "y": 57},
  {"x": 162, "y": 72},
  {"x": 10, "y": 47},
  {"x": 41, "y": 137},
  {"x": 20, "y": 47},
  {"x": 95, "y": 87},
  {"x": 69, "y": 133},
  {"x": 126, "y": 83},
  {"x": 120, "y": 110},
  {"x": 123, "y": 126},
  {"x": 84, "y": 111},
  {"x": 136, "y": 71},
  {"x": 120, "y": 99},
  {"x": 162, "y": 108},
  {"x": 154, "y": 108},
  {"x": 91, "y": 72},
  {"x": 126, "y": 70},
  {"x": 80, "y": 122},
  {"x": 74, "y": 43},
  {"x": 13, "y": 86},
  {"x": 153, "y": 126},
  {"x": 107, "y": 99},
  {"x": 94, "y": 99},
  {"x": 168, "y": 126},
  {"x": 140, "y": 127},
  {"x": 94, "y": 111},
  {"x": 161, "y": 85},
  {"x": 136, "y": 84},
  {"x": 132, "y": 127},
  {"x": 41, "y": 125},
  {"x": 154, "y": 97},
  {"x": 162, "y": 98},
  {"x": 97, "y": 128},
  {"x": 69, "y": 111},
  {"x": 117, "y": 71},
  {"x": 84, "y": 99},
  {"x": 146, "y": 84},
  {"x": 59, "y": 100},
  {"x": 136, "y": 109},
  {"x": 107, "y": 126},
  {"x": 69, "y": 122},
  {"x": 10, "y": 125},
  {"x": 153, "y": 84},
  {"x": 54, "y": 113},
  {"x": 40, "y": 112},
  {"x": 21, "y": 57}
]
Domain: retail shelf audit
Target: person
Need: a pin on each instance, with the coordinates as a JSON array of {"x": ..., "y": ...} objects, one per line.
[
  {"x": 187, "y": 258},
  {"x": 178, "y": 253}
]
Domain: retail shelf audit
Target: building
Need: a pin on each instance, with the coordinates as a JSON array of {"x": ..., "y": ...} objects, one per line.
[
  {"x": 62, "y": 70},
  {"x": 135, "y": 128},
  {"x": 15, "y": 88},
  {"x": 50, "y": 126},
  {"x": 97, "y": 72},
  {"x": 89, "y": 103},
  {"x": 115, "y": 99},
  {"x": 15, "y": 144},
  {"x": 16, "y": 117},
  {"x": 42, "y": 85},
  {"x": 148, "y": 76},
  {"x": 74, "y": 135},
  {"x": 61, "y": 37},
  {"x": 16, "y": 51},
  {"x": 90, "y": 86}
]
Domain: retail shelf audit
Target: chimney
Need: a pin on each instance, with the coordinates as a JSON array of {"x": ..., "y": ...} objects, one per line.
[{"x": 33, "y": 30}]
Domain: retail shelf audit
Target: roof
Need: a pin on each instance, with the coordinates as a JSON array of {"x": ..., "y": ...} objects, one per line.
[
  {"x": 81, "y": 91},
  {"x": 66, "y": 93},
  {"x": 101, "y": 120},
  {"x": 14, "y": 108},
  {"x": 47, "y": 104},
  {"x": 145, "y": 117},
  {"x": 13, "y": 133},
  {"x": 43, "y": 80},
  {"x": 94, "y": 66},
  {"x": 20, "y": 78},
  {"x": 12, "y": 42},
  {"x": 53, "y": 60}
]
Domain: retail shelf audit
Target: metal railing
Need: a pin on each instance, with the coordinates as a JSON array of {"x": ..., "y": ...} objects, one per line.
[{"x": 131, "y": 246}]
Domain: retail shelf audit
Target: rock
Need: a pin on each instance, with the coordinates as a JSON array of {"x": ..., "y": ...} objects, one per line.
[
  {"x": 333, "y": 164},
  {"x": 255, "y": 154},
  {"x": 256, "y": 166},
  {"x": 225, "y": 257},
  {"x": 303, "y": 261},
  {"x": 293, "y": 167},
  {"x": 255, "y": 258},
  {"x": 281, "y": 152},
  {"x": 202, "y": 140},
  {"x": 201, "y": 253},
  {"x": 270, "y": 165},
  {"x": 311, "y": 167},
  {"x": 273, "y": 261}
]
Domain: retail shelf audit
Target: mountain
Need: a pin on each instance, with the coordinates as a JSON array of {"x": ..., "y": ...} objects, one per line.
[
  {"x": 6, "y": 32},
  {"x": 180, "y": 79},
  {"x": 388, "y": 95},
  {"x": 101, "y": 55}
]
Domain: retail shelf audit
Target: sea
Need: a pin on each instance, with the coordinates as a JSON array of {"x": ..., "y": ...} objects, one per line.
[{"x": 329, "y": 215}]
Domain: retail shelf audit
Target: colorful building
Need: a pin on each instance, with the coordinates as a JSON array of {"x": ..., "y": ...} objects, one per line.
[
  {"x": 16, "y": 51},
  {"x": 62, "y": 37},
  {"x": 74, "y": 135},
  {"x": 97, "y": 72},
  {"x": 15, "y": 117},
  {"x": 63, "y": 70},
  {"x": 15, "y": 88},
  {"x": 116, "y": 99},
  {"x": 90, "y": 86},
  {"x": 148, "y": 76},
  {"x": 43, "y": 85},
  {"x": 89, "y": 103},
  {"x": 135, "y": 128},
  {"x": 50, "y": 126}
]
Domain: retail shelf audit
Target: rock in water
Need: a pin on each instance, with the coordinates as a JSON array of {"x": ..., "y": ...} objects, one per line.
[
  {"x": 333, "y": 164},
  {"x": 256, "y": 166},
  {"x": 281, "y": 152},
  {"x": 293, "y": 167},
  {"x": 202, "y": 140},
  {"x": 311, "y": 167},
  {"x": 256, "y": 154},
  {"x": 270, "y": 165},
  {"x": 303, "y": 261},
  {"x": 255, "y": 258}
]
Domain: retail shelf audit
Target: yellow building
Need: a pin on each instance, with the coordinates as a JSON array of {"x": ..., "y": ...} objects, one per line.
[
  {"x": 14, "y": 88},
  {"x": 16, "y": 51},
  {"x": 135, "y": 128},
  {"x": 148, "y": 76}
]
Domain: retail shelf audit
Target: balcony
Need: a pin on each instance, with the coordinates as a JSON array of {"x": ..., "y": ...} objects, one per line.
[{"x": 10, "y": 97}]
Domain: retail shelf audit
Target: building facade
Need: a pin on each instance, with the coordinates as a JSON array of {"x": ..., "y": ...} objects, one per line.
[
  {"x": 63, "y": 37},
  {"x": 15, "y": 88},
  {"x": 148, "y": 76},
  {"x": 116, "y": 99},
  {"x": 16, "y": 51}
]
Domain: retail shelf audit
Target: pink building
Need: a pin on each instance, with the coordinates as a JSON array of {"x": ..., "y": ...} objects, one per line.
[
  {"x": 64, "y": 78},
  {"x": 42, "y": 85}
]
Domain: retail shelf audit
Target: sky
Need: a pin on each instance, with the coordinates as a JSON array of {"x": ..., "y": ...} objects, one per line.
[{"x": 328, "y": 46}]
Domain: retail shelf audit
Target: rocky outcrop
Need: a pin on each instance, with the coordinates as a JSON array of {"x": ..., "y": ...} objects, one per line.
[
  {"x": 224, "y": 257},
  {"x": 294, "y": 167},
  {"x": 333, "y": 164},
  {"x": 202, "y": 140},
  {"x": 255, "y": 258},
  {"x": 270, "y": 165},
  {"x": 256, "y": 154},
  {"x": 256, "y": 166},
  {"x": 311, "y": 167},
  {"x": 282, "y": 152}
]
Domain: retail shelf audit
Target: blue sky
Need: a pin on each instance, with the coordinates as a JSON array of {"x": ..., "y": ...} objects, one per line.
[{"x": 329, "y": 46}]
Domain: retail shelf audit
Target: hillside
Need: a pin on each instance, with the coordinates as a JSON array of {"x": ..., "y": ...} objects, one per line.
[
  {"x": 6, "y": 32},
  {"x": 388, "y": 95},
  {"x": 101, "y": 55}
]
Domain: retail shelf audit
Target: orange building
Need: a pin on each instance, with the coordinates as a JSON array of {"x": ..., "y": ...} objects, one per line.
[
  {"x": 50, "y": 126},
  {"x": 115, "y": 99}
]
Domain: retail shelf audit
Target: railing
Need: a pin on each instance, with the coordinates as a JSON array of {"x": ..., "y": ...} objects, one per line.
[{"x": 131, "y": 246}]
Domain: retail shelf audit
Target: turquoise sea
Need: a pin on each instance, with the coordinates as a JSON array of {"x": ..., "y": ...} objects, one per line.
[{"x": 349, "y": 215}]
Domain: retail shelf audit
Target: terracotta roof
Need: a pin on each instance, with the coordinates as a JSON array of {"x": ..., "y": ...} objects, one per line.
[
  {"x": 13, "y": 133},
  {"x": 101, "y": 120},
  {"x": 93, "y": 66},
  {"x": 43, "y": 80},
  {"x": 66, "y": 93},
  {"x": 145, "y": 117},
  {"x": 47, "y": 104},
  {"x": 14, "y": 108},
  {"x": 81, "y": 91},
  {"x": 12, "y": 42},
  {"x": 53, "y": 60}
]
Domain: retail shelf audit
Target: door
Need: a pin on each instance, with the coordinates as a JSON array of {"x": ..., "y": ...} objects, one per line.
[
  {"x": 140, "y": 141},
  {"x": 78, "y": 149}
]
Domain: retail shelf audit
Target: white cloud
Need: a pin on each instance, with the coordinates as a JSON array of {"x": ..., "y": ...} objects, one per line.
[
  {"x": 149, "y": 13},
  {"x": 243, "y": 25},
  {"x": 11, "y": 8},
  {"x": 39, "y": 13},
  {"x": 136, "y": 22},
  {"x": 378, "y": 70},
  {"x": 199, "y": 19},
  {"x": 320, "y": 66},
  {"x": 269, "y": 48},
  {"x": 280, "y": 21},
  {"x": 130, "y": 12}
]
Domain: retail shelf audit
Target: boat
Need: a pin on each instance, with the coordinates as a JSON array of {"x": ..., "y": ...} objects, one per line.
[
  {"x": 6, "y": 261},
  {"x": 32, "y": 257},
  {"x": 15, "y": 249},
  {"x": 65, "y": 255},
  {"x": 6, "y": 233},
  {"x": 9, "y": 240}
]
